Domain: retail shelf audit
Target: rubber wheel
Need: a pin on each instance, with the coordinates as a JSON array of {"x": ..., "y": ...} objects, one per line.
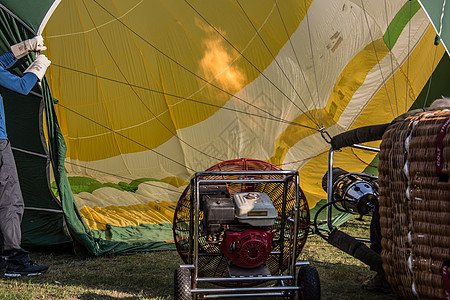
[
  {"x": 182, "y": 284},
  {"x": 308, "y": 280}
]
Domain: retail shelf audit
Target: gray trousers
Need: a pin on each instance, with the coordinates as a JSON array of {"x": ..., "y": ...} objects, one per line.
[{"x": 11, "y": 200}]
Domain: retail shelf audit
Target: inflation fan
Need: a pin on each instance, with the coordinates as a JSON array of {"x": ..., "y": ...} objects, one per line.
[{"x": 241, "y": 225}]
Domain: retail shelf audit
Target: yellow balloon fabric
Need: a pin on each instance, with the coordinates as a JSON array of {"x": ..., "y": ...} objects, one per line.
[{"x": 158, "y": 90}]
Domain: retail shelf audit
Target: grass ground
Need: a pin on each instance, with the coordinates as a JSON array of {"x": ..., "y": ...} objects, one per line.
[{"x": 150, "y": 275}]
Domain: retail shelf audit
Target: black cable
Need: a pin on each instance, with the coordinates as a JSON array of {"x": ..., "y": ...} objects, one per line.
[{"x": 316, "y": 227}]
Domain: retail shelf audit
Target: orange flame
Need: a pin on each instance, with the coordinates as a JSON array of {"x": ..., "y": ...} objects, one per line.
[{"x": 217, "y": 64}]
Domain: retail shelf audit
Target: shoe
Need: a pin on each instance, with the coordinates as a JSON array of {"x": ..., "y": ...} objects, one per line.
[
  {"x": 377, "y": 284},
  {"x": 22, "y": 265}
]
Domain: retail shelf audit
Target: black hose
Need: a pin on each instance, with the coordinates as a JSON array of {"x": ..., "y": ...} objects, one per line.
[
  {"x": 357, "y": 249},
  {"x": 349, "y": 244},
  {"x": 316, "y": 227}
]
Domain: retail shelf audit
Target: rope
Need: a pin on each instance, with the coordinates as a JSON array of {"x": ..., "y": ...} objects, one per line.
[
  {"x": 442, "y": 17},
  {"x": 125, "y": 137},
  {"x": 244, "y": 57},
  {"x": 314, "y": 65},
  {"x": 378, "y": 60},
  {"x": 140, "y": 99},
  {"x": 431, "y": 79},
  {"x": 279, "y": 66},
  {"x": 407, "y": 62},
  {"x": 295, "y": 54},
  {"x": 179, "y": 64},
  {"x": 184, "y": 98},
  {"x": 438, "y": 35},
  {"x": 364, "y": 162},
  {"x": 390, "y": 54}
]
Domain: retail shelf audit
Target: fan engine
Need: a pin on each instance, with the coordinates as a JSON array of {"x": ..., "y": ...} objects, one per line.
[{"x": 241, "y": 225}]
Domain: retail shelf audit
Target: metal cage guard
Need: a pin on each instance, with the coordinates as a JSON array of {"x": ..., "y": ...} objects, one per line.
[{"x": 284, "y": 177}]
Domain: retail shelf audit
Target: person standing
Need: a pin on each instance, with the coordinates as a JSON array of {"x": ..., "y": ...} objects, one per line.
[{"x": 16, "y": 261}]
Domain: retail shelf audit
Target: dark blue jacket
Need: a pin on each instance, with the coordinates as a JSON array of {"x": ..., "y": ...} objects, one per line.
[{"x": 22, "y": 85}]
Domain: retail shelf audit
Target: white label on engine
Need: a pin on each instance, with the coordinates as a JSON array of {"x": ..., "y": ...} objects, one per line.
[{"x": 255, "y": 209}]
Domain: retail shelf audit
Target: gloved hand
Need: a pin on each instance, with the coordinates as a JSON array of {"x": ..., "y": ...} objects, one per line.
[
  {"x": 39, "y": 66},
  {"x": 23, "y": 48}
]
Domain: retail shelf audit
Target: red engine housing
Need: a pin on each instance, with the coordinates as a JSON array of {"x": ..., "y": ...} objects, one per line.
[{"x": 249, "y": 248}]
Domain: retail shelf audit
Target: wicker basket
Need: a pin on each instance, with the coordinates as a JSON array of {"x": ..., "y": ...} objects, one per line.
[{"x": 415, "y": 204}]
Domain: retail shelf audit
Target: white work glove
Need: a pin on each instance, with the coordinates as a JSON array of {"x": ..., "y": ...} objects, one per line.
[
  {"x": 23, "y": 48},
  {"x": 39, "y": 66}
]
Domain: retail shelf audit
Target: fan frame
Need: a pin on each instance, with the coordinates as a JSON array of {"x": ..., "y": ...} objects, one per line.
[{"x": 298, "y": 216}]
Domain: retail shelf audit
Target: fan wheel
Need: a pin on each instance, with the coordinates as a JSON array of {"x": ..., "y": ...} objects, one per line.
[{"x": 308, "y": 280}]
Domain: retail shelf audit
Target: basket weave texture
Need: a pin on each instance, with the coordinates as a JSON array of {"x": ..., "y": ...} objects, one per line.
[{"x": 415, "y": 204}]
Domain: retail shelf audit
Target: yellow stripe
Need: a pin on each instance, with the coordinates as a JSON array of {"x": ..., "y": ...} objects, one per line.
[
  {"x": 351, "y": 78},
  {"x": 175, "y": 181},
  {"x": 132, "y": 215},
  {"x": 378, "y": 111},
  {"x": 421, "y": 61}
]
